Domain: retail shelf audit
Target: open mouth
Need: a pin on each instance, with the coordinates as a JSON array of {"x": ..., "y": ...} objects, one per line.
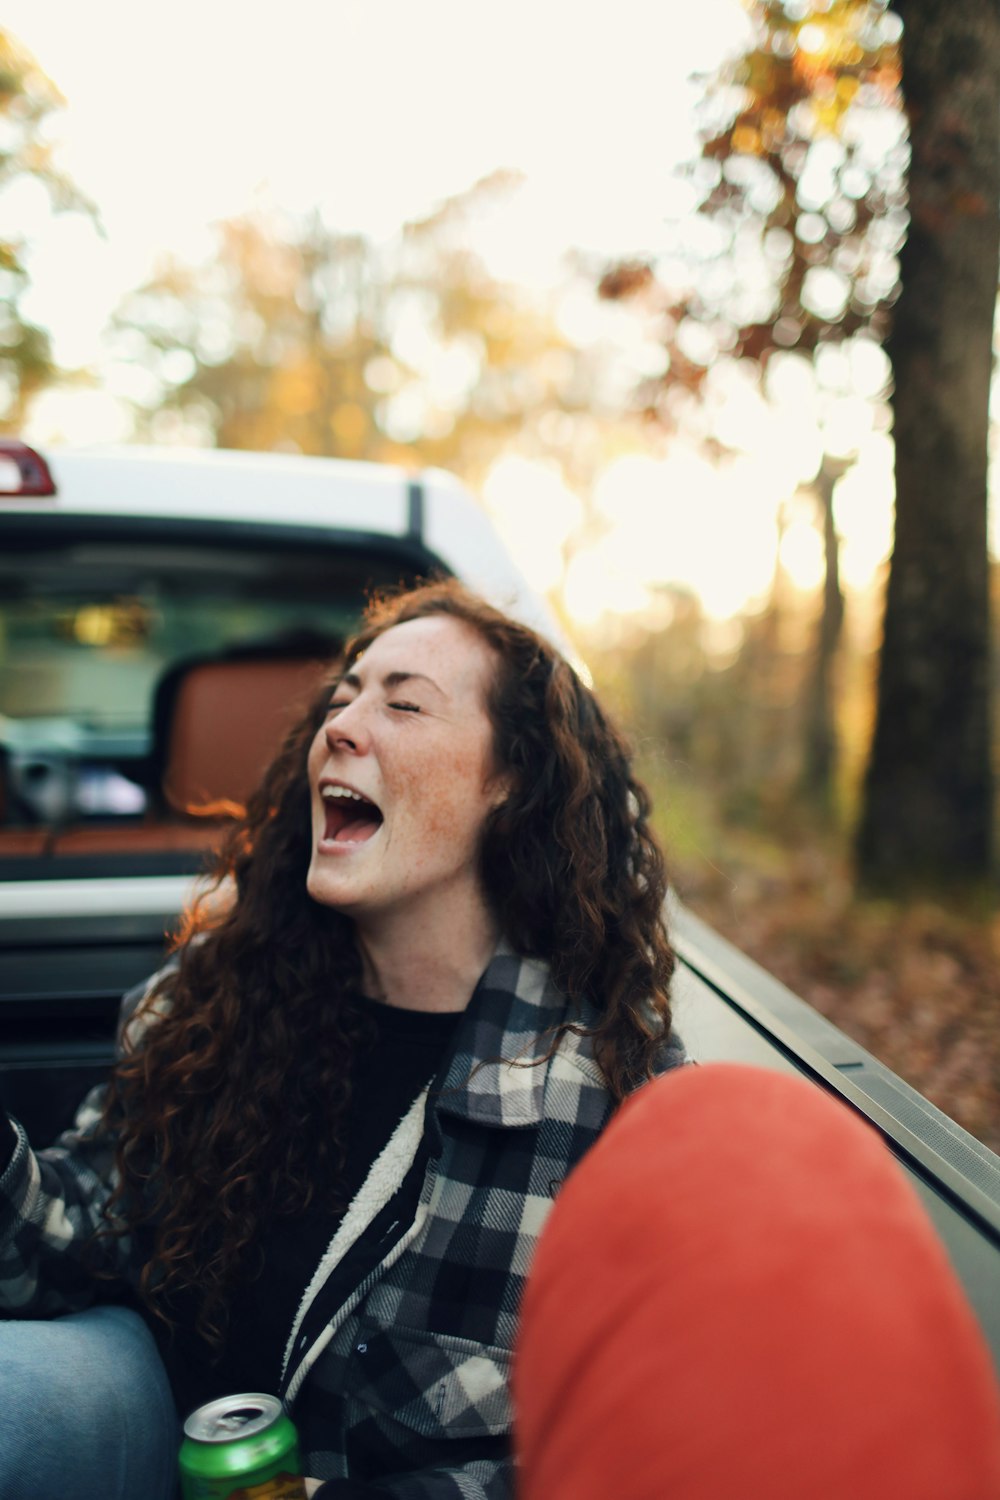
[{"x": 350, "y": 818}]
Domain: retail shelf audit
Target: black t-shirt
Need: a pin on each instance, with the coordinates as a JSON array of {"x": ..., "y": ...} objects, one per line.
[{"x": 407, "y": 1049}]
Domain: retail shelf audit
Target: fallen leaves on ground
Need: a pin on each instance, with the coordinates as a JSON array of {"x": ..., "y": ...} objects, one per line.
[{"x": 918, "y": 985}]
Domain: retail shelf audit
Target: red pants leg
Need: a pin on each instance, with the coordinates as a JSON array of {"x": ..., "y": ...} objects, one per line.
[{"x": 739, "y": 1295}]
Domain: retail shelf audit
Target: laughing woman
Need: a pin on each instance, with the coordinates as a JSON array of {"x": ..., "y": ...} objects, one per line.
[{"x": 342, "y": 1111}]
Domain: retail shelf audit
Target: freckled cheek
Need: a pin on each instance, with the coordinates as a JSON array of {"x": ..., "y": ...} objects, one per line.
[
  {"x": 314, "y": 766},
  {"x": 446, "y": 803},
  {"x": 316, "y": 758}
]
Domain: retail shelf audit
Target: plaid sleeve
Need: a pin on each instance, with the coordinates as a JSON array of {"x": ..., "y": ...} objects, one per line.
[
  {"x": 51, "y": 1203},
  {"x": 347, "y": 1489},
  {"x": 483, "y": 1480}
]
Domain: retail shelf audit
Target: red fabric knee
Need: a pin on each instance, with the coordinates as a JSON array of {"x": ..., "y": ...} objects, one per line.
[{"x": 738, "y": 1294}]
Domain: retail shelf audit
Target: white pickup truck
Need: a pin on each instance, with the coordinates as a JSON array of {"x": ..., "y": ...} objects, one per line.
[{"x": 159, "y": 613}]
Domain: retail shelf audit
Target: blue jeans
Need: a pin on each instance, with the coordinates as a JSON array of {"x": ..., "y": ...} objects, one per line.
[{"x": 85, "y": 1410}]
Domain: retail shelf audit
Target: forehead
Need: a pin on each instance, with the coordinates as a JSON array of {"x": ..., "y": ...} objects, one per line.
[{"x": 441, "y": 647}]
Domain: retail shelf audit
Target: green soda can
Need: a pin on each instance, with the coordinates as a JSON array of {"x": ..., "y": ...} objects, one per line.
[{"x": 241, "y": 1448}]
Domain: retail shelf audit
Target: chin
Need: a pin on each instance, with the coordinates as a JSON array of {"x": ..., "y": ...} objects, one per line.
[
  {"x": 327, "y": 892},
  {"x": 319, "y": 888}
]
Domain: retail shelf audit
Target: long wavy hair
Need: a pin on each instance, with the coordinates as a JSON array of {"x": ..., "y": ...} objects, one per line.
[{"x": 213, "y": 1108}]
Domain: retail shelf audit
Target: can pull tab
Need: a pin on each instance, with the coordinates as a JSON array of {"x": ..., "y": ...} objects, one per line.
[{"x": 235, "y": 1421}]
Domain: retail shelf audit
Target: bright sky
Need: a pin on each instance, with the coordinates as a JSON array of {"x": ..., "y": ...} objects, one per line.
[{"x": 375, "y": 110}]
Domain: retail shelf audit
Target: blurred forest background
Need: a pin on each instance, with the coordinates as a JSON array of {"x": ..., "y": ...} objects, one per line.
[{"x": 694, "y": 448}]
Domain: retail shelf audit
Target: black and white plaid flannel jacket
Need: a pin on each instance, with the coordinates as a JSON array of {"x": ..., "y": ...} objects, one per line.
[{"x": 397, "y": 1367}]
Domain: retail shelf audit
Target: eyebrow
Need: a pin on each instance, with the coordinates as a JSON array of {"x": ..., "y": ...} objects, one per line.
[{"x": 391, "y": 680}]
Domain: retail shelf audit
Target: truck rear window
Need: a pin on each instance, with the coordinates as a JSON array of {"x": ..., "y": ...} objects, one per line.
[{"x": 93, "y": 626}]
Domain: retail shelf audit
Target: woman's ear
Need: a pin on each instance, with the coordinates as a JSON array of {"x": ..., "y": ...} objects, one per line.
[{"x": 500, "y": 788}]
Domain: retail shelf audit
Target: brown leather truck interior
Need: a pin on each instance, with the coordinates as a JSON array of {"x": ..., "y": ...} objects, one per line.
[{"x": 217, "y": 725}]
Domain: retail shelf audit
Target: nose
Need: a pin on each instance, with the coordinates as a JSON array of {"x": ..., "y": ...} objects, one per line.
[{"x": 348, "y": 730}]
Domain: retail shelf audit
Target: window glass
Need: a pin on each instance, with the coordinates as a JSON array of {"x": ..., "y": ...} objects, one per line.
[{"x": 89, "y": 627}]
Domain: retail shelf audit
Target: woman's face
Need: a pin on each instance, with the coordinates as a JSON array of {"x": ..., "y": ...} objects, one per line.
[{"x": 401, "y": 775}]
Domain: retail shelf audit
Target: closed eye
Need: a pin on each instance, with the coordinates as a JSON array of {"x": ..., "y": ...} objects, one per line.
[
  {"x": 338, "y": 704},
  {"x": 406, "y": 708}
]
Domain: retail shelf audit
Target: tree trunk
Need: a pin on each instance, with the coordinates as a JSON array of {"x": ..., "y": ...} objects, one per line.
[
  {"x": 928, "y": 811},
  {"x": 820, "y": 750}
]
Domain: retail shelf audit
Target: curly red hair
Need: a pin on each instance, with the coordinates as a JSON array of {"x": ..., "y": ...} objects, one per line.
[{"x": 211, "y": 1111}]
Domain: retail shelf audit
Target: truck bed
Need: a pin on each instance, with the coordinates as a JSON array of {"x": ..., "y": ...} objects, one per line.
[{"x": 62, "y": 977}]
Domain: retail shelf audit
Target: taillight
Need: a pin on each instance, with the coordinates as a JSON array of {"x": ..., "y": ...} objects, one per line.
[{"x": 23, "y": 471}]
